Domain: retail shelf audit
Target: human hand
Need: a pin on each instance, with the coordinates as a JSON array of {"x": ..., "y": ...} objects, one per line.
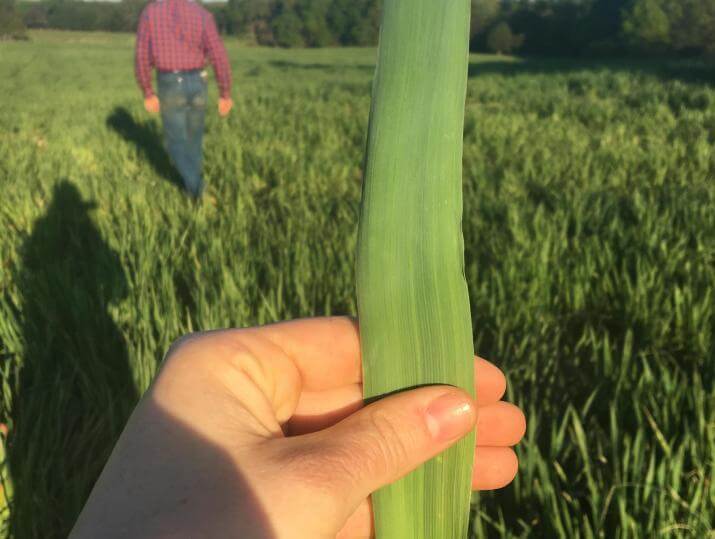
[
  {"x": 262, "y": 432},
  {"x": 224, "y": 106},
  {"x": 151, "y": 104}
]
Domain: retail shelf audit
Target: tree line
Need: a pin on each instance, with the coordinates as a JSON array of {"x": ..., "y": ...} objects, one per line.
[{"x": 552, "y": 27}]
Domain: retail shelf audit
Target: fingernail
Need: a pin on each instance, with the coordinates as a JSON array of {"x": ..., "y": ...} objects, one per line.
[{"x": 449, "y": 416}]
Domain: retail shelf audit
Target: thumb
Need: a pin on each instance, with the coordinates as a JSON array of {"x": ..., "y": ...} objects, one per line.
[{"x": 387, "y": 439}]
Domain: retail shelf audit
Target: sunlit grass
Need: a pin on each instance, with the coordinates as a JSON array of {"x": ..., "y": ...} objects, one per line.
[{"x": 590, "y": 254}]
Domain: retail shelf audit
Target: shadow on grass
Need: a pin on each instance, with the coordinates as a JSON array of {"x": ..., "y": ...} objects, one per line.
[
  {"x": 327, "y": 66},
  {"x": 147, "y": 139},
  {"x": 689, "y": 71},
  {"x": 75, "y": 388}
]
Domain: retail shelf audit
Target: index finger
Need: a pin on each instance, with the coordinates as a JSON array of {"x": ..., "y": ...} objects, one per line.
[{"x": 326, "y": 351}]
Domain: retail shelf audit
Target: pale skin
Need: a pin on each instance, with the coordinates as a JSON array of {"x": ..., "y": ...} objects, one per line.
[
  {"x": 262, "y": 433},
  {"x": 152, "y": 105}
]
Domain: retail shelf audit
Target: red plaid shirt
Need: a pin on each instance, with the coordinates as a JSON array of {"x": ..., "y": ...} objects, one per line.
[{"x": 178, "y": 35}]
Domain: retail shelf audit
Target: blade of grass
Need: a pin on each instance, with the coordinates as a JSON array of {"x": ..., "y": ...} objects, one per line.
[{"x": 412, "y": 296}]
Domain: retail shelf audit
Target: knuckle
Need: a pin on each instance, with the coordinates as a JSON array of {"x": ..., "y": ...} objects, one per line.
[
  {"x": 320, "y": 468},
  {"x": 191, "y": 349},
  {"x": 388, "y": 447},
  {"x": 179, "y": 347}
]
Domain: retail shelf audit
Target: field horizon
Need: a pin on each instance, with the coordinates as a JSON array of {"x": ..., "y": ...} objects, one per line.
[{"x": 589, "y": 223}]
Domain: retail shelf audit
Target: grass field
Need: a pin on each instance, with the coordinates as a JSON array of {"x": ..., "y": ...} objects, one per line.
[{"x": 590, "y": 254}]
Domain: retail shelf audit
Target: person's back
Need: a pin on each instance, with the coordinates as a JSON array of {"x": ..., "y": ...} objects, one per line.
[{"x": 177, "y": 37}]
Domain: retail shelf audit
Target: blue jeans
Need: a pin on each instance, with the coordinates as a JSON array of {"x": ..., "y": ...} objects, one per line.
[{"x": 182, "y": 97}]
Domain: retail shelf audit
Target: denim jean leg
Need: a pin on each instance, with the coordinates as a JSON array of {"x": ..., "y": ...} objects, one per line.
[
  {"x": 175, "y": 114},
  {"x": 195, "y": 131}
]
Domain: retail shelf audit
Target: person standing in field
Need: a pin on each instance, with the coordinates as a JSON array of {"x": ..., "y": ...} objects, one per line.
[{"x": 177, "y": 37}]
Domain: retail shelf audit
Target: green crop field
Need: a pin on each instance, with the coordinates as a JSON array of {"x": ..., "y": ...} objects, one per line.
[{"x": 589, "y": 225}]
